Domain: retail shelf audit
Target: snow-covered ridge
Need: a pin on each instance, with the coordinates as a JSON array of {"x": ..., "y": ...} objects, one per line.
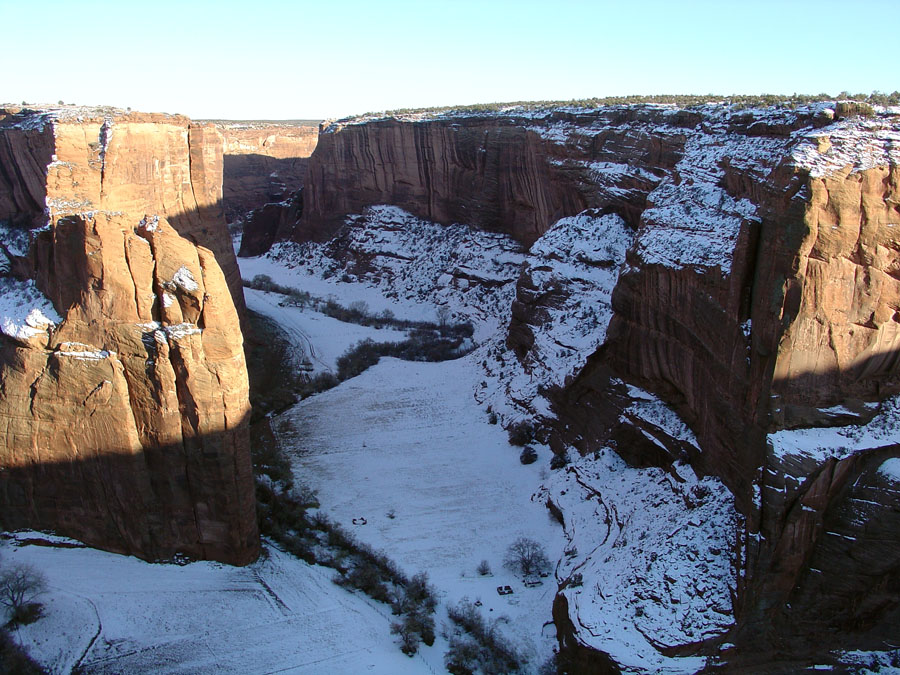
[
  {"x": 714, "y": 110},
  {"x": 860, "y": 143},
  {"x": 411, "y": 261},
  {"x": 37, "y": 116},
  {"x": 577, "y": 262}
]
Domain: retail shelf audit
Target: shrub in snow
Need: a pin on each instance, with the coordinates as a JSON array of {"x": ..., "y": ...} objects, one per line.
[
  {"x": 558, "y": 461},
  {"x": 527, "y": 557},
  {"x": 409, "y": 638},
  {"x": 528, "y": 456},
  {"x": 520, "y": 433},
  {"x": 477, "y": 645},
  {"x": 14, "y": 659},
  {"x": 484, "y": 568}
]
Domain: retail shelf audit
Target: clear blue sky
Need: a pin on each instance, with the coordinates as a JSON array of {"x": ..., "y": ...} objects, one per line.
[{"x": 275, "y": 60}]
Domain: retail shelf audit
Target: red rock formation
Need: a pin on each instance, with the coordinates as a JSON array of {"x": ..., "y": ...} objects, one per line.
[
  {"x": 264, "y": 162},
  {"x": 494, "y": 173},
  {"x": 125, "y": 423},
  {"x": 66, "y": 161}
]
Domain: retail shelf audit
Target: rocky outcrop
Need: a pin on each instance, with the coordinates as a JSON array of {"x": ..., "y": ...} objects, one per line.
[
  {"x": 125, "y": 405},
  {"x": 62, "y": 161},
  {"x": 790, "y": 324},
  {"x": 270, "y": 223},
  {"x": 263, "y": 163}
]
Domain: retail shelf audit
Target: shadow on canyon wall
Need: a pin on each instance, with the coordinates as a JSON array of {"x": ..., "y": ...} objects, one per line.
[
  {"x": 250, "y": 181},
  {"x": 193, "y": 498}
]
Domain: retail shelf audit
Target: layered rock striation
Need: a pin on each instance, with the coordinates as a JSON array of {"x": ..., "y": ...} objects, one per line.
[{"x": 125, "y": 397}]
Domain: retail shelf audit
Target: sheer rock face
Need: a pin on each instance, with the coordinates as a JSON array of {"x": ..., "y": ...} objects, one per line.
[
  {"x": 796, "y": 328},
  {"x": 125, "y": 425},
  {"x": 124, "y": 418},
  {"x": 263, "y": 163},
  {"x": 58, "y": 162},
  {"x": 496, "y": 173}
]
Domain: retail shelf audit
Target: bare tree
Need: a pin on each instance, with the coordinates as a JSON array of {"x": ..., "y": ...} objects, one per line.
[
  {"x": 20, "y": 585},
  {"x": 443, "y": 315},
  {"x": 526, "y": 556}
]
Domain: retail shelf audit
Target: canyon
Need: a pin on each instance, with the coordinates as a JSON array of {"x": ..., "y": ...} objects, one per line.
[
  {"x": 263, "y": 162},
  {"x": 692, "y": 313},
  {"x": 757, "y": 298}
]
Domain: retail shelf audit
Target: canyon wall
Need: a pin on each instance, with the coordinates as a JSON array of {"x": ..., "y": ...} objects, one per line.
[
  {"x": 77, "y": 160},
  {"x": 125, "y": 403},
  {"x": 759, "y": 296},
  {"x": 263, "y": 162}
]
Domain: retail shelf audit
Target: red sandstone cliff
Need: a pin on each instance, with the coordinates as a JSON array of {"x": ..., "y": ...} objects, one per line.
[
  {"x": 125, "y": 402},
  {"x": 64, "y": 161}
]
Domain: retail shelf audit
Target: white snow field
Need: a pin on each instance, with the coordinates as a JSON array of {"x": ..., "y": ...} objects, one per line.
[
  {"x": 117, "y": 614},
  {"x": 405, "y": 448},
  {"x": 318, "y": 338}
]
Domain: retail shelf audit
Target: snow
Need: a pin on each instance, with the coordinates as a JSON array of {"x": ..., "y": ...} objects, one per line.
[
  {"x": 321, "y": 338},
  {"x": 115, "y": 614},
  {"x": 394, "y": 261},
  {"x": 576, "y": 263},
  {"x": 24, "y": 311},
  {"x": 184, "y": 280},
  {"x": 83, "y": 352},
  {"x": 858, "y": 143},
  {"x": 886, "y": 662},
  {"x": 890, "y": 469},
  {"x": 16, "y": 240},
  {"x": 655, "y": 552},
  {"x": 824, "y": 443},
  {"x": 650, "y": 408},
  {"x": 149, "y": 223},
  {"x": 692, "y": 219},
  {"x": 407, "y": 437},
  {"x": 181, "y": 330}
]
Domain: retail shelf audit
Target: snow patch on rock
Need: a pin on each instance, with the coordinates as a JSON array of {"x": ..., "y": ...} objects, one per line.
[
  {"x": 858, "y": 143},
  {"x": 890, "y": 469},
  {"x": 649, "y": 563},
  {"x": 24, "y": 311},
  {"x": 839, "y": 443},
  {"x": 184, "y": 280}
]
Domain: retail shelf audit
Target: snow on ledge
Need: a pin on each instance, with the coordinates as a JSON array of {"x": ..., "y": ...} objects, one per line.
[
  {"x": 890, "y": 469},
  {"x": 83, "y": 352},
  {"x": 839, "y": 443},
  {"x": 654, "y": 555},
  {"x": 24, "y": 311},
  {"x": 184, "y": 280},
  {"x": 859, "y": 143}
]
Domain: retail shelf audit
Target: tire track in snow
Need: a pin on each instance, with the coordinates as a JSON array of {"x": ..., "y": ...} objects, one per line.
[{"x": 263, "y": 303}]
